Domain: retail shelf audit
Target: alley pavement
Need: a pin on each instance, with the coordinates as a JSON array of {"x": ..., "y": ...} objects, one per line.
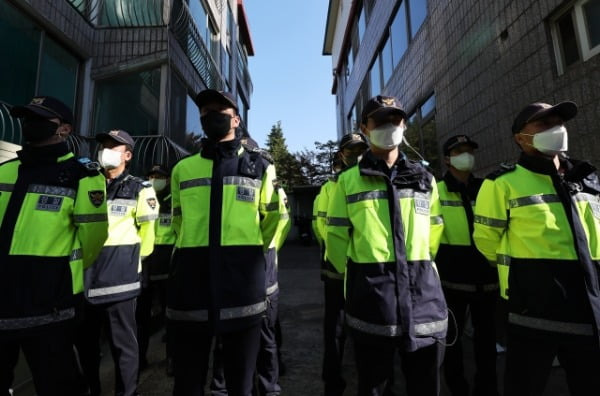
[{"x": 301, "y": 316}]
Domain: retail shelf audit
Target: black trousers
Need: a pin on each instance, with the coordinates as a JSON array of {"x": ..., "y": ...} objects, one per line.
[
  {"x": 153, "y": 290},
  {"x": 118, "y": 319},
  {"x": 49, "y": 354},
  {"x": 191, "y": 346},
  {"x": 267, "y": 363},
  {"x": 529, "y": 358},
  {"x": 482, "y": 307},
  {"x": 334, "y": 337},
  {"x": 375, "y": 367}
]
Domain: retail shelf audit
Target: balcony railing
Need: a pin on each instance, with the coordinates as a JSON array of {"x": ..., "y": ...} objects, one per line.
[
  {"x": 243, "y": 73},
  {"x": 10, "y": 128},
  {"x": 122, "y": 13},
  {"x": 187, "y": 35}
]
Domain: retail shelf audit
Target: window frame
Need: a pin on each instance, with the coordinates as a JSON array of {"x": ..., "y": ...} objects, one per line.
[{"x": 584, "y": 49}]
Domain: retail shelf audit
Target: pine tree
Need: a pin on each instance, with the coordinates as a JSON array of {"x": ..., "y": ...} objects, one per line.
[{"x": 288, "y": 168}]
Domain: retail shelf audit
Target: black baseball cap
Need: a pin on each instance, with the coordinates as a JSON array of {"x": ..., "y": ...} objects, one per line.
[
  {"x": 381, "y": 106},
  {"x": 118, "y": 135},
  {"x": 353, "y": 139},
  {"x": 211, "y": 96},
  {"x": 159, "y": 169},
  {"x": 535, "y": 111},
  {"x": 456, "y": 141},
  {"x": 46, "y": 107}
]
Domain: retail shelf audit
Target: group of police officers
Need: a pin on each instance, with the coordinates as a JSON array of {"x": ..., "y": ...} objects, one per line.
[
  {"x": 407, "y": 259},
  {"x": 86, "y": 247}
]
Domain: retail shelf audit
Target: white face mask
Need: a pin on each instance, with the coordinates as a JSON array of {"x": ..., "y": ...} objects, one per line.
[
  {"x": 158, "y": 184},
  {"x": 109, "y": 159},
  {"x": 552, "y": 141},
  {"x": 463, "y": 162},
  {"x": 388, "y": 136}
]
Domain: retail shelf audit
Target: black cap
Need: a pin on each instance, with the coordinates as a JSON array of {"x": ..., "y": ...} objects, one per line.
[
  {"x": 380, "y": 106},
  {"x": 535, "y": 111},
  {"x": 44, "y": 106},
  {"x": 118, "y": 135},
  {"x": 353, "y": 139},
  {"x": 211, "y": 96},
  {"x": 159, "y": 169},
  {"x": 456, "y": 141}
]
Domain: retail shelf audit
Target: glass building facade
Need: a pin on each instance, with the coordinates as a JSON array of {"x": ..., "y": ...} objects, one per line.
[{"x": 128, "y": 64}]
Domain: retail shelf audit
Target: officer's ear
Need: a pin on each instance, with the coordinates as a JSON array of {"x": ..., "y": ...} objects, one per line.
[{"x": 128, "y": 155}]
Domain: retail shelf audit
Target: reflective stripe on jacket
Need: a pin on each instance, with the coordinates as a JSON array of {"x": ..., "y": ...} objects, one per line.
[
  {"x": 132, "y": 210},
  {"x": 53, "y": 222},
  {"x": 461, "y": 266},
  {"x": 226, "y": 214},
  {"x": 328, "y": 271},
  {"x": 384, "y": 233},
  {"x": 544, "y": 227},
  {"x": 164, "y": 234}
]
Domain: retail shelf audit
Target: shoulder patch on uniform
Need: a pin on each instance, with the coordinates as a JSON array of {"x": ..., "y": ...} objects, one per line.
[
  {"x": 151, "y": 202},
  {"x": 505, "y": 167},
  {"x": 88, "y": 164},
  {"x": 96, "y": 197},
  {"x": 262, "y": 152}
]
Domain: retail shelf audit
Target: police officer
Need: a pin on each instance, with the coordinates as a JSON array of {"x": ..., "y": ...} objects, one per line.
[
  {"x": 155, "y": 269},
  {"x": 52, "y": 223},
  {"x": 383, "y": 229},
  {"x": 351, "y": 148},
  {"x": 226, "y": 212},
  {"x": 267, "y": 364},
  {"x": 112, "y": 283},
  {"x": 470, "y": 284},
  {"x": 539, "y": 220}
]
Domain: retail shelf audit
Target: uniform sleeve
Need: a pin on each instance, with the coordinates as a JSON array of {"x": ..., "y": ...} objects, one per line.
[
  {"x": 146, "y": 213},
  {"x": 437, "y": 221},
  {"x": 315, "y": 219},
  {"x": 337, "y": 236},
  {"x": 175, "y": 204},
  {"x": 269, "y": 207},
  {"x": 322, "y": 209},
  {"x": 284, "y": 225},
  {"x": 90, "y": 215},
  {"x": 490, "y": 219}
]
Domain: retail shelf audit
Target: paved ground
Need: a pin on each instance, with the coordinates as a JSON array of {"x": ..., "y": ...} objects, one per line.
[{"x": 301, "y": 313}]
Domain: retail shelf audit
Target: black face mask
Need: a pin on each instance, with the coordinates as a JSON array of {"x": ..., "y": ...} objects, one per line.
[
  {"x": 38, "y": 129},
  {"x": 216, "y": 125}
]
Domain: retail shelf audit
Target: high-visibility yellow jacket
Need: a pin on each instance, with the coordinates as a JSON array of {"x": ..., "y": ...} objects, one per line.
[
  {"x": 226, "y": 214},
  {"x": 545, "y": 227},
  {"x": 271, "y": 255},
  {"x": 461, "y": 266},
  {"x": 164, "y": 239},
  {"x": 383, "y": 230},
  {"x": 53, "y": 222},
  {"x": 163, "y": 232},
  {"x": 132, "y": 210},
  {"x": 328, "y": 271}
]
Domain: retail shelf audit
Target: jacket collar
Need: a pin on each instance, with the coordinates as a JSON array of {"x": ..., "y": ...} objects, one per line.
[
  {"x": 43, "y": 154},
  {"x": 228, "y": 149},
  {"x": 409, "y": 174},
  {"x": 538, "y": 164}
]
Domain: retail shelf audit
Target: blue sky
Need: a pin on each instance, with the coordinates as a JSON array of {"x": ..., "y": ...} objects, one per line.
[{"x": 292, "y": 79}]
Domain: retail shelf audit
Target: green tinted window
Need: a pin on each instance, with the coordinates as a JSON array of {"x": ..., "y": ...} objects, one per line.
[
  {"x": 129, "y": 102},
  {"x": 20, "y": 45},
  {"x": 58, "y": 73}
]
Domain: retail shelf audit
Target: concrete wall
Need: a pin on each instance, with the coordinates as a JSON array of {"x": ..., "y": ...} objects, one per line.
[{"x": 481, "y": 80}]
